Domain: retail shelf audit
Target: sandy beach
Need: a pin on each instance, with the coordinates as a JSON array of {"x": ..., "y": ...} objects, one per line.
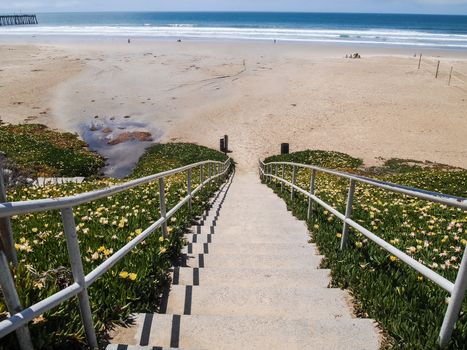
[{"x": 259, "y": 93}]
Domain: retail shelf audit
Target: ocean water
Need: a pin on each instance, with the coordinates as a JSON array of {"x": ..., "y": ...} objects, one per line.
[{"x": 437, "y": 31}]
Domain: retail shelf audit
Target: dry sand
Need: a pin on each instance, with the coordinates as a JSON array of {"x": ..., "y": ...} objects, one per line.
[{"x": 258, "y": 93}]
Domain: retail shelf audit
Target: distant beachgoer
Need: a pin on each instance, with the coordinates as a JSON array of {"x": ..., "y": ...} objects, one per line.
[
  {"x": 129, "y": 41},
  {"x": 275, "y": 41}
]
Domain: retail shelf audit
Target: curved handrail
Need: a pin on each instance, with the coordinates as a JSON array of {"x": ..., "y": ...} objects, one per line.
[
  {"x": 437, "y": 197},
  {"x": 456, "y": 289},
  {"x": 81, "y": 281},
  {"x": 22, "y": 207}
]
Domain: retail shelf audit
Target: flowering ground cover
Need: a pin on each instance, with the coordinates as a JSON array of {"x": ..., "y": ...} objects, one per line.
[
  {"x": 409, "y": 308},
  {"x": 40, "y": 151},
  {"x": 103, "y": 227}
]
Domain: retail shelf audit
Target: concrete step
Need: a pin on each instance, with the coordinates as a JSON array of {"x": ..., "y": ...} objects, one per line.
[
  {"x": 283, "y": 302},
  {"x": 242, "y": 260},
  {"x": 306, "y": 277},
  {"x": 139, "y": 347},
  {"x": 286, "y": 249},
  {"x": 263, "y": 226},
  {"x": 244, "y": 237},
  {"x": 248, "y": 332}
]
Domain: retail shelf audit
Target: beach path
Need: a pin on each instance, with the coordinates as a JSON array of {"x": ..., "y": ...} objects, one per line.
[{"x": 249, "y": 279}]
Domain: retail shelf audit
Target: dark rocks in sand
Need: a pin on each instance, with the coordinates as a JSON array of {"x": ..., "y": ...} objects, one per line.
[
  {"x": 93, "y": 127},
  {"x": 96, "y": 116},
  {"x": 127, "y": 117},
  {"x": 112, "y": 118},
  {"x": 142, "y": 136}
]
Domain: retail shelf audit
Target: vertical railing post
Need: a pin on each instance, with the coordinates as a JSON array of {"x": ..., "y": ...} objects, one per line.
[
  {"x": 162, "y": 205},
  {"x": 201, "y": 174},
  {"x": 294, "y": 178},
  {"x": 348, "y": 213},
  {"x": 6, "y": 233},
  {"x": 312, "y": 192},
  {"x": 283, "y": 177},
  {"x": 10, "y": 295},
  {"x": 275, "y": 174},
  {"x": 74, "y": 254},
  {"x": 189, "y": 188},
  {"x": 455, "y": 303}
]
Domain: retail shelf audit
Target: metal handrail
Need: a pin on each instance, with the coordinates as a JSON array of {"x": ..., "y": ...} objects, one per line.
[
  {"x": 456, "y": 290},
  {"x": 20, "y": 318}
]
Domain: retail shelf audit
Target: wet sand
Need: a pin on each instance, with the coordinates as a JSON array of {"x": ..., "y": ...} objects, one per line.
[{"x": 258, "y": 93}]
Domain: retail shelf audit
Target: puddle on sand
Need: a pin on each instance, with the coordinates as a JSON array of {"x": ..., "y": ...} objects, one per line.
[{"x": 121, "y": 141}]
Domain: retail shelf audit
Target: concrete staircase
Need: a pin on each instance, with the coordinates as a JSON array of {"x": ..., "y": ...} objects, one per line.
[{"x": 249, "y": 279}]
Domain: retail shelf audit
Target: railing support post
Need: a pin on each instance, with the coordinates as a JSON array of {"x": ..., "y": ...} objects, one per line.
[
  {"x": 74, "y": 254},
  {"x": 455, "y": 303},
  {"x": 348, "y": 213},
  {"x": 6, "y": 233},
  {"x": 189, "y": 188},
  {"x": 162, "y": 205},
  {"x": 201, "y": 174},
  {"x": 283, "y": 176},
  {"x": 209, "y": 173},
  {"x": 294, "y": 178},
  {"x": 312, "y": 192},
  {"x": 275, "y": 173},
  {"x": 12, "y": 301}
]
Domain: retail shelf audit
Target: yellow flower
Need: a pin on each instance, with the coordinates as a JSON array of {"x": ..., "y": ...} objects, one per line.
[
  {"x": 420, "y": 278},
  {"x": 392, "y": 258},
  {"x": 162, "y": 250},
  {"x": 101, "y": 249},
  {"x": 338, "y": 235},
  {"x": 138, "y": 231},
  {"x": 38, "y": 319},
  {"x": 123, "y": 274},
  {"x": 34, "y": 229},
  {"x": 132, "y": 276}
]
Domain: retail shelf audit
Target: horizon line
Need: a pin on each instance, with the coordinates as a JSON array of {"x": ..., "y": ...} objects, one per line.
[{"x": 239, "y": 11}]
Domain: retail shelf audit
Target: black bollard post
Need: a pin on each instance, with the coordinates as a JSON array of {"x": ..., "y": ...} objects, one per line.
[
  {"x": 226, "y": 143},
  {"x": 284, "y": 148},
  {"x": 222, "y": 145}
]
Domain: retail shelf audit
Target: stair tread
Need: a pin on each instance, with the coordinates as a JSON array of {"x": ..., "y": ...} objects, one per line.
[{"x": 253, "y": 332}]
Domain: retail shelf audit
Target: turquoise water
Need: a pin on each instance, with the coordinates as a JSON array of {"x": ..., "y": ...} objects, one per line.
[{"x": 379, "y": 29}]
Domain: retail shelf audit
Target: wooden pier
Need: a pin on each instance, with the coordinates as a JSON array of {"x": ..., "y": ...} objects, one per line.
[{"x": 12, "y": 20}]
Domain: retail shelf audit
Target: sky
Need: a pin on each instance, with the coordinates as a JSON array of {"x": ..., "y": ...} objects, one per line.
[{"x": 377, "y": 6}]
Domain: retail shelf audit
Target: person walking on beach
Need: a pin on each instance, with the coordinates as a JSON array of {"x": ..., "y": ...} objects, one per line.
[{"x": 129, "y": 41}]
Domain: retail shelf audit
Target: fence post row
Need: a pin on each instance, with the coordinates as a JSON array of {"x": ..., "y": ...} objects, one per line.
[
  {"x": 74, "y": 255},
  {"x": 312, "y": 192},
  {"x": 294, "y": 176},
  {"x": 162, "y": 206},
  {"x": 348, "y": 213}
]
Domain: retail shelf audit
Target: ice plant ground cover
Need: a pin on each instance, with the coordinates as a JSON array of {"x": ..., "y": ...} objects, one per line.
[
  {"x": 409, "y": 308},
  {"x": 103, "y": 227},
  {"x": 40, "y": 151}
]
